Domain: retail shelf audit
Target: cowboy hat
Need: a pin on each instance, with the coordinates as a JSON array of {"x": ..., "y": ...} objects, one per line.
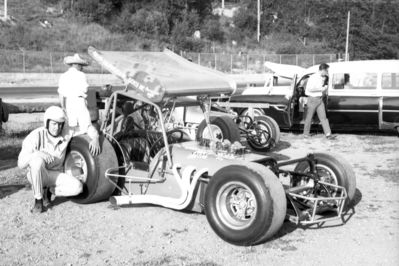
[{"x": 75, "y": 59}]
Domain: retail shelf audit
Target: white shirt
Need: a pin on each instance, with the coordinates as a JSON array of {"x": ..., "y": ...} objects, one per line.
[
  {"x": 73, "y": 83},
  {"x": 73, "y": 86},
  {"x": 314, "y": 87}
]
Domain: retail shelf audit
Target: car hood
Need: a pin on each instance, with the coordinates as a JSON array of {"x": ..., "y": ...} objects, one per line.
[{"x": 160, "y": 75}]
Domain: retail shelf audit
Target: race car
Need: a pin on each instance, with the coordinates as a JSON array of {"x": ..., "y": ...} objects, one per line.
[{"x": 147, "y": 159}]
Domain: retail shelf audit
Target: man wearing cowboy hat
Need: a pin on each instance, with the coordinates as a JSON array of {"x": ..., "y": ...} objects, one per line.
[{"x": 72, "y": 90}]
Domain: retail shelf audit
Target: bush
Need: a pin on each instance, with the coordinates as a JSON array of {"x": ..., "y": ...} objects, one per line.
[
  {"x": 143, "y": 22},
  {"x": 212, "y": 30}
]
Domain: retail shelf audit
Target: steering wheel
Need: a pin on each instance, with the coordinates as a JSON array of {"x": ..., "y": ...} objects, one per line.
[{"x": 172, "y": 138}]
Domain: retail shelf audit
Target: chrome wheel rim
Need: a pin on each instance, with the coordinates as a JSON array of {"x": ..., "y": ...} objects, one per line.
[
  {"x": 216, "y": 131},
  {"x": 245, "y": 116},
  {"x": 75, "y": 165},
  {"x": 327, "y": 175},
  {"x": 236, "y": 205},
  {"x": 261, "y": 135}
]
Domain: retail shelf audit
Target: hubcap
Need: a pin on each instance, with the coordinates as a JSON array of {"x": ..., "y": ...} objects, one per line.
[
  {"x": 75, "y": 165},
  {"x": 236, "y": 205},
  {"x": 216, "y": 131}
]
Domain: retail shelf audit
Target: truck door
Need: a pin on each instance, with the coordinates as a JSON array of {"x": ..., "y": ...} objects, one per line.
[
  {"x": 389, "y": 117},
  {"x": 353, "y": 101}
]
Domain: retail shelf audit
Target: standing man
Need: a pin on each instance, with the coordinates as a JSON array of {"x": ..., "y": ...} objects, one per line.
[
  {"x": 43, "y": 154},
  {"x": 72, "y": 90},
  {"x": 315, "y": 89}
]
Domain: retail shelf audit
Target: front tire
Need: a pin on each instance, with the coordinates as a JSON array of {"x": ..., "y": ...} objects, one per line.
[
  {"x": 245, "y": 204},
  {"x": 92, "y": 169},
  {"x": 264, "y": 133},
  {"x": 334, "y": 169}
]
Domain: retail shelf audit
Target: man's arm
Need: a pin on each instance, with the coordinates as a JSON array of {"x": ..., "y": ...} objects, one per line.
[
  {"x": 30, "y": 150},
  {"x": 94, "y": 144}
]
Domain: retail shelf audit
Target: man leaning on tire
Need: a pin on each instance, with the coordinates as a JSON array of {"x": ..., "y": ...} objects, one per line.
[{"x": 43, "y": 154}]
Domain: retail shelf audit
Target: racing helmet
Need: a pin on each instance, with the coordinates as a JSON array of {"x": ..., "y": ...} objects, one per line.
[{"x": 54, "y": 113}]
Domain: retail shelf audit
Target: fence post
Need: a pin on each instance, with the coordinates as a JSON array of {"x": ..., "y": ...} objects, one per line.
[
  {"x": 314, "y": 60},
  {"x": 296, "y": 59},
  {"x": 246, "y": 66},
  {"x": 23, "y": 61},
  {"x": 199, "y": 58},
  {"x": 51, "y": 63},
  {"x": 215, "y": 60},
  {"x": 280, "y": 58},
  {"x": 231, "y": 63},
  {"x": 263, "y": 63}
]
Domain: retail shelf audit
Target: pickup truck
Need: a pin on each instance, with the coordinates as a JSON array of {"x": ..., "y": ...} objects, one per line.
[{"x": 361, "y": 96}]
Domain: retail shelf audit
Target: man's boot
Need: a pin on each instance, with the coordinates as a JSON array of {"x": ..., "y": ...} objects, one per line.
[
  {"x": 47, "y": 197},
  {"x": 38, "y": 207}
]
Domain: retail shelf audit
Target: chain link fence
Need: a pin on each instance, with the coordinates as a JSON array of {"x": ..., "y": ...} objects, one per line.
[{"x": 52, "y": 62}]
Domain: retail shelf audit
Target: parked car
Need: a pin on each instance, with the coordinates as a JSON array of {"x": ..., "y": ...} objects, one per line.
[{"x": 362, "y": 96}]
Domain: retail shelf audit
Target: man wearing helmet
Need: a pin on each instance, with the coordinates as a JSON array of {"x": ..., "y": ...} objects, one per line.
[{"x": 43, "y": 153}]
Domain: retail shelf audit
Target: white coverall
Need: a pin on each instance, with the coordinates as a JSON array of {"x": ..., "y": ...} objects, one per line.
[
  {"x": 73, "y": 86},
  {"x": 51, "y": 175}
]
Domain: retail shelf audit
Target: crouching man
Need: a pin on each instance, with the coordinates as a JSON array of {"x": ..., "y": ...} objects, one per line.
[{"x": 43, "y": 154}]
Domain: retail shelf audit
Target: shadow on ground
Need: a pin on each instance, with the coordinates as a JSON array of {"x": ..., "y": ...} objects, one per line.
[
  {"x": 7, "y": 190},
  {"x": 288, "y": 227},
  {"x": 8, "y": 157}
]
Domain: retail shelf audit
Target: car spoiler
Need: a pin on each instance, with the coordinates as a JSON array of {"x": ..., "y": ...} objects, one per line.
[{"x": 160, "y": 75}]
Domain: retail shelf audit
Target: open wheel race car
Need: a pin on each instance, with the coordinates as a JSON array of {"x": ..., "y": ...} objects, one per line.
[{"x": 148, "y": 159}]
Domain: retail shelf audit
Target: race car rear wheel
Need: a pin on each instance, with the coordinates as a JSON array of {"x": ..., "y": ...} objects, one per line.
[
  {"x": 223, "y": 127},
  {"x": 245, "y": 204},
  {"x": 333, "y": 169},
  {"x": 263, "y": 133},
  {"x": 90, "y": 169}
]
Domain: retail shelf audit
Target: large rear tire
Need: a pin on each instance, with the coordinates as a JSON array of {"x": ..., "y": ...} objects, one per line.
[
  {"x": 266, "y": 133},
  {"x": 91, "y": 168},
  {"x": 223, "y": 127},
  {"x": 334, "y": 169},
  {"x": 245, "y": 204}
]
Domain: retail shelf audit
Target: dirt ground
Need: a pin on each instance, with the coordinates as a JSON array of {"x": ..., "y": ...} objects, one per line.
[{"x": 98, "y": 234}]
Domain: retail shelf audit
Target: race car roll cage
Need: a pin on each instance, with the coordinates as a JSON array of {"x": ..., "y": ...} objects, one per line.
[{"x": 305, "y": 200}]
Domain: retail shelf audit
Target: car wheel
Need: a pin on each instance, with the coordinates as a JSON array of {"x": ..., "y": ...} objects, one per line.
[
  {"x": 333, "y": 169},
  {"x": 263, "y": 133},
  {"x": 245, "y": 204},
  {"x": 223, "y": 127},
  {"x": 90, "y": 169}
]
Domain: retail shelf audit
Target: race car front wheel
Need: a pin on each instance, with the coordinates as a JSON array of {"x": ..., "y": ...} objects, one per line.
[
  {"x": 263, "y": 133},
  {"x": 245, "y": 204},
  {"x": 89, "y": 169}
]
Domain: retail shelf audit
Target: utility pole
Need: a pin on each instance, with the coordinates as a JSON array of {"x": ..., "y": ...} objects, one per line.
[
  {"x": 347, "y": 37},
  {"x": 222, "y": 4},
  {"x": 258, "y": 31},
  {"x": 5, "y": 10}
]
